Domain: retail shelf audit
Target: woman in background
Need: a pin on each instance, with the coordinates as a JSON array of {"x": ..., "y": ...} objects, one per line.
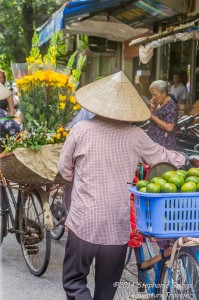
[
  {"x": 6, "y": 104},
  {"x": 164, "y": 115},
  {"x": 7, "y": 124}
]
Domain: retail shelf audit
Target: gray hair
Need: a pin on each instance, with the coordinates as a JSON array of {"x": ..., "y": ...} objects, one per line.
[{"x": 160, "y": 85}]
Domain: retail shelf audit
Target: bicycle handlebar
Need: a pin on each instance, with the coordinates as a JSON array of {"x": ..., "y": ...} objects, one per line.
[
  {"x": 188, "y": 119},
  {"x": 193, "y": 126}
]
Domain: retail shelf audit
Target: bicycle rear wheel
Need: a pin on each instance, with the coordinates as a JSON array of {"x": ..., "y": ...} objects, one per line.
[
  {"x": 35, "y": 239},
  {"x": 3, "y": 213},
  {"x": 182, "y": 280}
]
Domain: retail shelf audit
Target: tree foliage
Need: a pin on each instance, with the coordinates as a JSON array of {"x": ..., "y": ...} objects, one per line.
[{"x": 18, "y": 22}]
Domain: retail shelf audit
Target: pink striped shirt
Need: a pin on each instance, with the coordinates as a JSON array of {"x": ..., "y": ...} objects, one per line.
[{"x": 100, "y": 156}]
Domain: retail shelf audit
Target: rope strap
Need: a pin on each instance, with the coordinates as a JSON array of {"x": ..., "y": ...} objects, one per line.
[
  {"x": 3, "y": 179},
  {"x": 181, "y": 242}
]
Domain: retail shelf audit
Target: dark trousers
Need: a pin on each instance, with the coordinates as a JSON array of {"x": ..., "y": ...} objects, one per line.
[{"x": 79, "y": 255}]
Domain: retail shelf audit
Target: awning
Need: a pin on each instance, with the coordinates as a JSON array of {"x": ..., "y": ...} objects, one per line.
[
  {"x": 74, "y": 11},
  {"x": 109, "y": 28},
  {"x": 133, "y": 13}
]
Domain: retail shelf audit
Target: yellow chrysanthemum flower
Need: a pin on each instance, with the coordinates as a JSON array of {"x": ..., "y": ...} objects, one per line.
[
  {"x": 71, "y": 86},
  {"x": 58, "y": 136},
  {"x": 62, "y": 105},
  {"x": 30, "y": 59},
  {"x": 62, "y": 97},
  {"x": 76, "y": 107},
  {"x": 61, "y": 129},
  {"x": 65, "y": 134},
  {"x": 73, "y": 99}
]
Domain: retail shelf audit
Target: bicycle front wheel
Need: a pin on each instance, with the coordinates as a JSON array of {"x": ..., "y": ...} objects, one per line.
[
  {"x": 35, "y": 239},
  {"x": 57, "y": 212},
  {"x": 182, "y": 280}
]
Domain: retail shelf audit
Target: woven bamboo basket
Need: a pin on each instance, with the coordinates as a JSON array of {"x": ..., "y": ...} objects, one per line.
[{"x": 17, "y": 172}]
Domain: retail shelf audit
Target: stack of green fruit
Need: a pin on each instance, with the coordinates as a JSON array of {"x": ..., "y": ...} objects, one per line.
[{"x": 171, "y": 182}]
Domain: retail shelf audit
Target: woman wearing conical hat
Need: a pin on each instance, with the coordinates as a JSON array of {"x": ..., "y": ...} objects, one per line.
[
  {"x": 100, "y": 156},
  {"x": 6, "y": 126},
  {"x": 6, "y": 99}
]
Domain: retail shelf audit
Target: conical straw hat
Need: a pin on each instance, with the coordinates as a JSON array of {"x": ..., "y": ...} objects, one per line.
[
  {"x": 4, "y": 92},
  {"x": 113, "y": 97}
]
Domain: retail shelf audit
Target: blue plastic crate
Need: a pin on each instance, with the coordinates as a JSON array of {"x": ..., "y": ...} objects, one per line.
[{"x": 167, "y": 215}]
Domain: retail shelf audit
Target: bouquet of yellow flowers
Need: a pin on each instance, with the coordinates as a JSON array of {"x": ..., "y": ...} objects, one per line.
[
  {"x": 47, "y": 97},
  {"x": 47, "y": 93},
  {"x": 47, "y": 103}
]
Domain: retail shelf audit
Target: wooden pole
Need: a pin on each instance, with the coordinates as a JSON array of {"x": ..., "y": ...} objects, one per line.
[{"x": 169, "y": 31}]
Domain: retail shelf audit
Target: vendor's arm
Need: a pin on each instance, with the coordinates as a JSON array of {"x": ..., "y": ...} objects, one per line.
[
  {"x": 152, "y": 153},
  {"x": 66, "y": 160},
  {"x": 162, "y": 124},
  {"x": 11, "y": 108}
]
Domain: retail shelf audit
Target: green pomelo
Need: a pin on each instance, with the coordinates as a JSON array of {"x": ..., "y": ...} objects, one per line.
[
  {"x": 197, "y": 186},
  {"x": 161, "y": 181},
  {"x": 142, "y": 183},
  {"x": 155, "y": 179},
  {"x": 178, "y": 180},
  {"x": 193, "y": 172},
  {"x": 153, "y": 188},
  {"x": 168, "y": 188},
  {"x": 182, "y": 173},
  {"x": 189, "y": 187},
  {"x": 143, "y": 189},
  {"x": 192, "y": 179},
  {"x": 168, "y": 174}
]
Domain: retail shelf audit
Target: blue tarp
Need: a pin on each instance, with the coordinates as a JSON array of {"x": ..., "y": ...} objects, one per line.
[
  {"x": 75, "y": 10},
  {"x": 54, "y": 24},
  {"x": 72, "y": 12}
]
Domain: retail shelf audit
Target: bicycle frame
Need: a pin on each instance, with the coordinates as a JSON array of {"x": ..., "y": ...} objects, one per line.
[
  {"x": 143, "y": 273},
  {"x": 153, "y": 286},
  {"x": 8, "y": 209}
]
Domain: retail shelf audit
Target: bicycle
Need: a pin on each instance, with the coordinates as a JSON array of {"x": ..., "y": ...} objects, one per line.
[
  {"x": 173, "y": 273},
  {"x": 28, "y": 214}
]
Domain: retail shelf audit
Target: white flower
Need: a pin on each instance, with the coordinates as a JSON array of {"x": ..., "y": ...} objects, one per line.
[
  {"x": 8, "y": 124},
  {"x": 12, "y": 131}
]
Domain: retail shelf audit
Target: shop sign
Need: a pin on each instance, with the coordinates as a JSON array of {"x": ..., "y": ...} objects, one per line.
[{"x": 143, "y": 12}]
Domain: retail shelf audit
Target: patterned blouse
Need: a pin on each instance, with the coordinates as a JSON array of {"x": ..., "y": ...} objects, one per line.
[
  {"x": 7, "y": 126},
  {"x": 169, "y": 114}
]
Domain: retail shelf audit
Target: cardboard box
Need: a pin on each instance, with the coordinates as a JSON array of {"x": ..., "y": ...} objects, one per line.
[
  {"x": 184, "y": 109},
  {"x": 143, "y": 73},
  {"x": 196, "y": 104}
]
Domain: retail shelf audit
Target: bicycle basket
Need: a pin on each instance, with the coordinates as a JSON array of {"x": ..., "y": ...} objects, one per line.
[
  {"x": 24, "y": 173},
  {"x": 167, "y": 215}
]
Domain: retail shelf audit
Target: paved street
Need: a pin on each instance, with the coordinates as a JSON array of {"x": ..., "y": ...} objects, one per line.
[{"x": 18, "y": 283}]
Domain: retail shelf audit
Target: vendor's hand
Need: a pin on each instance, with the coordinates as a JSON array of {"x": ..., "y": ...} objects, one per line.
[{"x": 152, "y": 104}]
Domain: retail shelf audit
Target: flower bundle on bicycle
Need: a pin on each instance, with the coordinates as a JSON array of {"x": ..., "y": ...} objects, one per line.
[{"x": 47, "y": 103}]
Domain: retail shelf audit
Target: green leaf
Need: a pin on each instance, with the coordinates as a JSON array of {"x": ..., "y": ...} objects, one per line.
[{"x": 7, "y": 118}]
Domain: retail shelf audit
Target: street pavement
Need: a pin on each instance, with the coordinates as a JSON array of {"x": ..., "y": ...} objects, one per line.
[{"x": 18, "y": 283}]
